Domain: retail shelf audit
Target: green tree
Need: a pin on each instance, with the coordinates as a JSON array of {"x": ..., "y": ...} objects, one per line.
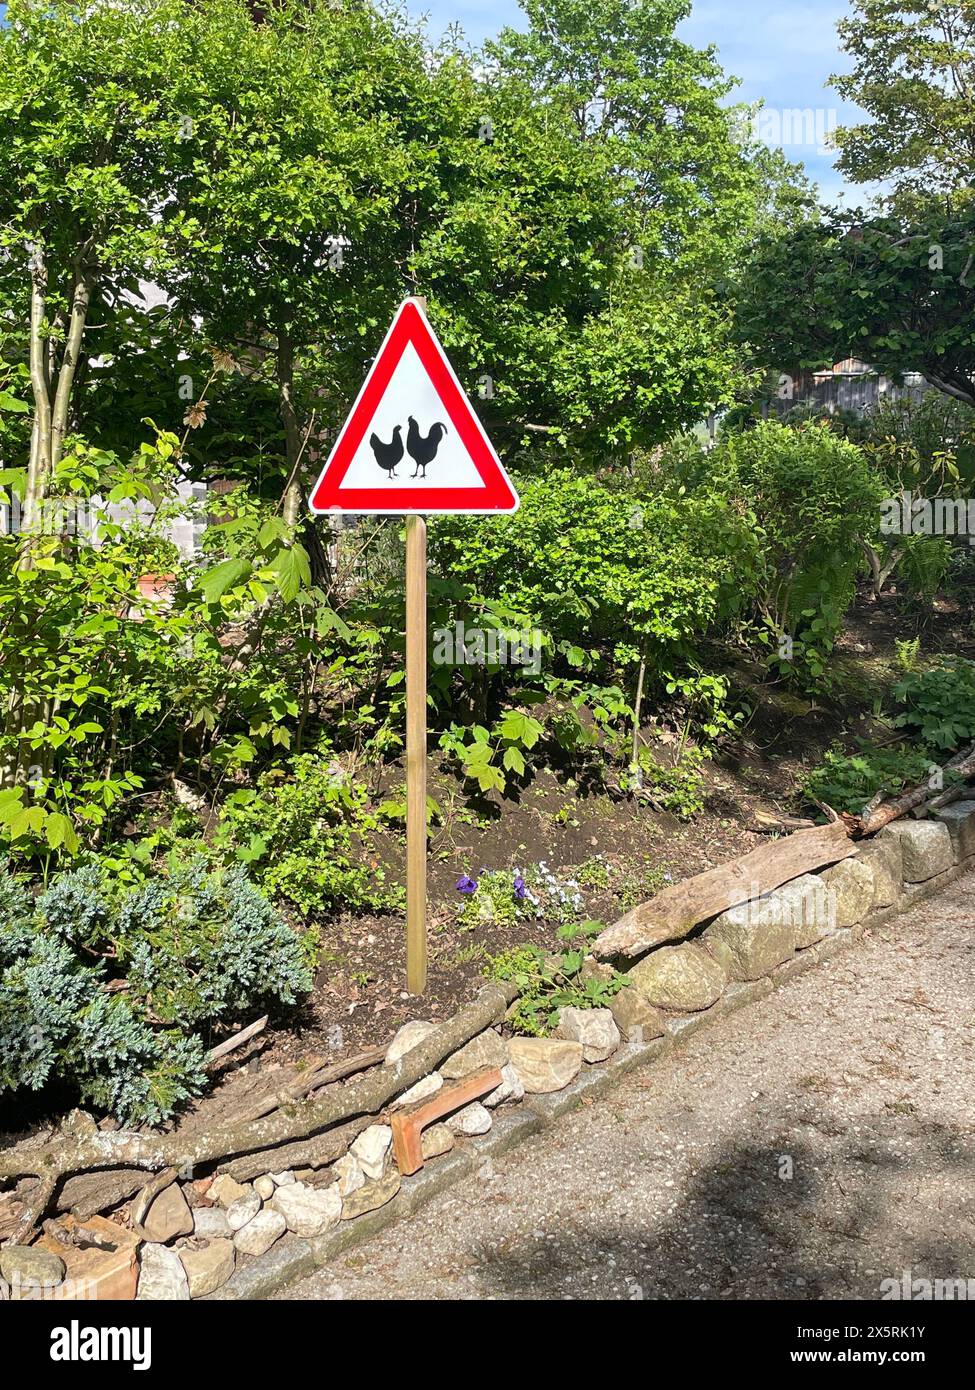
[{"x": 914, "y": 74}]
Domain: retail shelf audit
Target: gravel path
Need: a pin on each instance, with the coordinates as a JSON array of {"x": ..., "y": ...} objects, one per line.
[{"x": 805, "y": 1147}]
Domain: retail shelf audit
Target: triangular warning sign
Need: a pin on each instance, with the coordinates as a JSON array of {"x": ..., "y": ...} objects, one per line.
[{"x": 412, "y": 442}]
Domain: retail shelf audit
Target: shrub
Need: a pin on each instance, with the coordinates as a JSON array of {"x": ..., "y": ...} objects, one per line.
[
  {"x": 115, "y": 993},
  {"x": 847, "y": 781},
  {"x": 939, "y": 703},
  {"x": 296, "y": 835}
]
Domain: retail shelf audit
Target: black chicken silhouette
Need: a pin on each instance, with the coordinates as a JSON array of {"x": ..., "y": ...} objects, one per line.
[
  {"x": 388, "y": 455},
  {"x": 423, "y": 449}
]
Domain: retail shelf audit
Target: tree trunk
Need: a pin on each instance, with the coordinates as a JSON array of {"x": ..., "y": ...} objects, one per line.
[{"x": 289, "y": 418}]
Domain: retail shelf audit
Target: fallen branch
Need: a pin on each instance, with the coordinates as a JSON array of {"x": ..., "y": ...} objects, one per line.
[
  {"x": 678, "y": 909},
  {"x": 875, "y": 818},
  {"x": 70, "y": 1153},
  {"x": 238, "y": 1039},
  {"x": 303, "y": 1153}
]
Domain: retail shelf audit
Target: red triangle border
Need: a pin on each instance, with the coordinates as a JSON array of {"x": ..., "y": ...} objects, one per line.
[{"x": 497, "y": 494}]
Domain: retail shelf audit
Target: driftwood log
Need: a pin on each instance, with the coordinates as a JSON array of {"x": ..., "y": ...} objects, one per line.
[
  {"x": 72, "y": 1152},
  {"x": 673, "y": 913}
]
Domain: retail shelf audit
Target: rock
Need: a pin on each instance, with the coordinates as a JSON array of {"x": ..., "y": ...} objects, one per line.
[
  {"x": 850, "y": 887},
  {"x": 885, "y": 860},
  {"x": 209, "y": 1267},
  {"x": 959, "y": 817},
  {"x": 545, "y": 1064},
  {"x": 244, "y": 1209},
  {"x": 437, "y": 1140},
  {"x": 210, "y": 1223},
  {"x": 683, "y": 978},
  {"x": 409, "y": 1036},
  {"x": 371, "y": 1150},
  {"x": 510, "y": 1090},
  {"x": 283, "y": 1179},
  {"x": 473, "y": 1119},
  {"x": 162, "y": 1277},
  {"x": 752, "y": 938},
  {"x": 257, "y": 1237},
  {"x": 169, "y": 1216},
  {"x": 25, "y": 1267},
  {"x": 225, "y": 1189},
  {"x": 925, "y": 846},
  {"x": 371, "y": 1195},
  {"x": 488, "y": 1049},
  {"x": 308, "y": 1211},
  {"x": 595, "y": 1028},
  {"x": 264, "y": 1187},
  {"x": 426, "y": 1087},
  {"x": 637, "y": 1020},
  {"x": 348, "y": 1174}
]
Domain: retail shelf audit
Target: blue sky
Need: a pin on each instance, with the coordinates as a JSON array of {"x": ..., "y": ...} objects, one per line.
[{"x": 783, "y": 53}]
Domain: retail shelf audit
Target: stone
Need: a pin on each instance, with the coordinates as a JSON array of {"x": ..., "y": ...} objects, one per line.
[
  {"x": 162, "y": 1277},
  {"x": 409, "y": 1036},
  {"x": 102, "y": 1261},
  {"x": 680, "y": 978},
  {"x": 637, "y": 1020},
  {"x": 348, "y": 1174},
  {"x": 283, "y": 1179},
  {"x": 925, "y": 846},
  {"x": 595, "y": 1028},
  {"x": 545, "y": 1064},
  {"x": 426, "y": 1087},
  {"x": 510, "y": 1090},
  {"x": 169, "y": 1216},
  {"x": 752, "y": 938},
  {"x": 885, "y": 860},
  {"x": 210, "y": 1223},
  {"x": 437, "y": 1140},
  {"x": 264, "y": 1187},
  {"x": 225, "y": 1189},
  {"x": 371, "y": 1195},
  {"x": 28, "y": 1268},
  {"x": 244, "y": 1209},
  {"x": 308, "y": 1211},
  {"x": 371, "y": 1150},
  {"x": 488, "y": 1049},
  {"x": 959, "y": 817},
  {"x": 850, "y": 887},
  {"x": 208, "y": 1268},
  {"x": 473, "y": 1119},
  {"x": 257, "y": 1237}
]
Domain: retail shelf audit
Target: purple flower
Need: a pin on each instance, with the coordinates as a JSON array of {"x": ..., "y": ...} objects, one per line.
[
  {"x": 466, "y": 884},
  {"x": 519, "y": 887}
]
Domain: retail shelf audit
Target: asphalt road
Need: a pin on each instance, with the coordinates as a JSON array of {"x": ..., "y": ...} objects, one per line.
[{"x": 805, "y": 1147}]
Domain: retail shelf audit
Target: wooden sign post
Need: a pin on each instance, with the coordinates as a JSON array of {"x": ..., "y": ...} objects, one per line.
[
  {"x": 412, "y": 410},
  {"x": 416, "y": 754}
]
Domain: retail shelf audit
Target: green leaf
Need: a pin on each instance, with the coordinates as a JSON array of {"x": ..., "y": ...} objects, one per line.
[
  {"x": 226, "y": 575},
  {"x": 293, "y": 569}
]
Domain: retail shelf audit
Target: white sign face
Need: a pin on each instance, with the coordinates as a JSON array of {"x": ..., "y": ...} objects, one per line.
[
  {"x": 429, "y": 451},
  {"x": 412, "y": 442}
]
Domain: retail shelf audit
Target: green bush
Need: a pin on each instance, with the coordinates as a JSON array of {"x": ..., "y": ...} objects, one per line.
[
  {"x": 115, "y": 993},
  {"x": 847, "y": 781},
  {"x": 939, "y": 703},
  {"x": 296, "y": 833}
]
